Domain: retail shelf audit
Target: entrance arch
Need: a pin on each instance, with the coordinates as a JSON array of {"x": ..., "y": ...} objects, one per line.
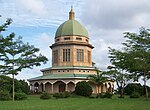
[
  {"x": 62, "y": 87},
  {"x": 36, "y": 87},
  {"x": 48, "y": 87},
  {"x": 59, "y": 86},
  {"x": 71, "y": 87}
]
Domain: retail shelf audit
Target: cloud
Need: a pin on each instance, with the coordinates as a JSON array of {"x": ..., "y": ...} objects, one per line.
[
  {"x": 107, "y": 20},
  {"x": 116, "y": 14},
  {"x": 43, "y": 41},
  {"x": 34, "y": 6},
  {"x": 38, "y": 12}
]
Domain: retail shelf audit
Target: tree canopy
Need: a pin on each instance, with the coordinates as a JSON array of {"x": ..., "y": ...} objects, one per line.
[
  {"x": 134, "y": 58},
  {"x": 15, "y": 55}
]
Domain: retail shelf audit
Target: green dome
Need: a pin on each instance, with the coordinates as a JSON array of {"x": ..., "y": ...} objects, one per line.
[{"x": 71, "y": 27}]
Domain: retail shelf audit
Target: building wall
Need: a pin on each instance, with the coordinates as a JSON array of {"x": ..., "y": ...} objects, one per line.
[
  {"x": 70, "y": 71},
  {"x": 52, "y": 86},
  {"x": 73, "y": 51},
  {"x": 73, "y": 56}
]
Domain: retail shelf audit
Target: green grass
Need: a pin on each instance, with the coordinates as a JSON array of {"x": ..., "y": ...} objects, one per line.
[{"x": 79, "y": 103}]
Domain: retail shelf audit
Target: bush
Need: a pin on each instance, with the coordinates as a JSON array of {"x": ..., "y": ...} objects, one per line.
[
  {"x": 83, "y": 89},
  {"x": 61, "y": 95},
  {"x": 135, "y": 95},
  {"x": 45, "y": 95},
  {"x": 102, "y": 95},
  {"x": 4, "y": 95},
  {"x": 20, "y": 96},
  {"x": 133, "y": 87},
  {"x": 108, "y": 95},
  {"x": 105, "y": 95},
  {"x": 66, "y": 94}
]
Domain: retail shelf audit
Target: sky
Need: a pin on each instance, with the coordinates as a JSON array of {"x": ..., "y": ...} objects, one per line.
[{"x": 105, "y": 20}]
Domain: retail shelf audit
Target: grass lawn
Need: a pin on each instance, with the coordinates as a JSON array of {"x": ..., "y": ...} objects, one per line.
[{"x": 79, "y": 103}]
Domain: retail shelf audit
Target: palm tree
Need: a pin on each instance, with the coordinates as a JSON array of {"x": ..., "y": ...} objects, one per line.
[{"x": 98, "y": 79}]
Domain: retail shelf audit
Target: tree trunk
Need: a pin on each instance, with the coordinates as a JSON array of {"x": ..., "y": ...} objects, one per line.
[
  {"x": 121, "y": 92},
  {"x": 98, "y": 91},
  {"x": 146, "y": 92},
  {"x": 13, "y": 91}
]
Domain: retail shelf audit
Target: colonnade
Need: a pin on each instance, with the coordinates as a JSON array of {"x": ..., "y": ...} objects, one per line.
[{"x": 61, "y": 86}]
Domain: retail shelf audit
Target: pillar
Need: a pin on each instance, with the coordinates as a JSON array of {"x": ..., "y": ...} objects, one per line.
[
  {"x": 96, "y": 88},
  {"x": 43, "y": 88},
  {"x": 66, "y": 87},
  {"x": 52, "y": 88}
]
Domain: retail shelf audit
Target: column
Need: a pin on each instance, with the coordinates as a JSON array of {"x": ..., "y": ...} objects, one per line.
[
  {"x": 52, "y": 88},
  {"x": 96, "y": 89},
  {"x": 66, "y": 87},
  {"x": 43, "y": 88}
]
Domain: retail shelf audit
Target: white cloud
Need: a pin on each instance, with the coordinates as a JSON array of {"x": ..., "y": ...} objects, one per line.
[
  {"x": 38, "y": 12},
  {"x": 115, "y": 14},
  {"x": 107, "y": 20},
  {"x": 34, "y": 6},
  {"x": 43, "y": 41}
]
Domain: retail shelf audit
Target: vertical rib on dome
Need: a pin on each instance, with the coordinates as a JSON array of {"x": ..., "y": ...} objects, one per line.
[{"x": 71, "y": 14}]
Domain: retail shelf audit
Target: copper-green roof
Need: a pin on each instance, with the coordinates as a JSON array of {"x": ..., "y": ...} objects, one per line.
[
  {"x": 60, "y": 76},
  {"x": 71, "y": 27}
]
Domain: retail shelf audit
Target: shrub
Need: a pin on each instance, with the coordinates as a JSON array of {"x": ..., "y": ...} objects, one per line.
[
  {"x": 133, "y": 87},
  {"x": 105, "y": 95},
  {"x": 102, "y": 95},
  {"x": 83, "y": 88},
  {"x": 92, "y": 97},
  {"x": 66, "y": 94},
  {"x": 20, "y": 96},
  {"x": 108, "y": 95},
  {"x": 121, "y": 97},
  {"x": 135, "y": 95},
  {"x": 4, "y": 95},
  {"x": 61, "y": 95},
  {"x": 45, "y": 95}
]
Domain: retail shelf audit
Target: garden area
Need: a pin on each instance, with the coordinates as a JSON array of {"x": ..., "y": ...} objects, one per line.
[{"x": 34, "y": 102}]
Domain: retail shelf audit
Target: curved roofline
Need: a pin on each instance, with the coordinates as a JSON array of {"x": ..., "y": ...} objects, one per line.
[
  {"x": 71, "y": 43},
  {"x": 71, "y": 35},
  {"x": 72, "y": 27}
]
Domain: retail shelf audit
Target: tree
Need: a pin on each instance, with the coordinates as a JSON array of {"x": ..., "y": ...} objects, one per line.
[
  {"x": 133, "y": 88},
  {"x": 120, "y": 77},
  {"x": 135, "y": 56},
  {"x": 16, "y": 55},
  {"x": 98, "y": 79},
  {"x": 20, "y": 85},
  {"x": 138, "y": 48},
  {"x": 83, "y": 88}
]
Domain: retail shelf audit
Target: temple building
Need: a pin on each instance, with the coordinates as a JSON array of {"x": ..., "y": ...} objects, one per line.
[{"x": 71, "y": 61}]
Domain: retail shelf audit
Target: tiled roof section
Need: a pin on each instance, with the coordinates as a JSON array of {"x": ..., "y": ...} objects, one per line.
[
  {"x": 60, "y": 76},
  {"x": 69, "y": 67}
]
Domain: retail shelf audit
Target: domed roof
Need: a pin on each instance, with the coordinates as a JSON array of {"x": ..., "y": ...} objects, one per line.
[{"x": 71, "y": 27}]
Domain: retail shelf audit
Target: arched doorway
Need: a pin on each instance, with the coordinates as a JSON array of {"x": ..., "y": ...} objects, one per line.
[
  {"x": 41, "y": 87},
  {"x": 36, "y": 87},
  {"x": 94, "y": 87},
  {"x": 62, "y": 87},
  {"x": 48, "y": 87},
  {"x": 71, "y": 86},
  {"x": 102, "y": 88},
  {"x": 59, "y": 86}
]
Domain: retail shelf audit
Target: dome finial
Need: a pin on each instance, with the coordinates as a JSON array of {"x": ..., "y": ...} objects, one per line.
[{"x": 71, "y": 13}]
